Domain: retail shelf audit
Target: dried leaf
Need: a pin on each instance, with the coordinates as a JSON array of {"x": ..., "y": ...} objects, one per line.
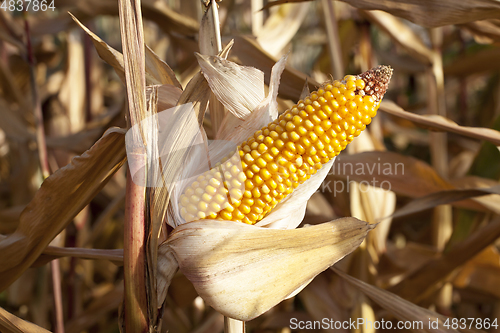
[
  {"x": 52, "y": 252},
  {"x": 57, "y": 202},
  {"x": 481, "y": 273},
  {"x": 252, "y": 269},
  {"x": 281, "y": 26},
  {"x": 106, "y": 52},
  {"x": 158, "y": 70},
  {"x": 433, "y": 13},
  {"x": 477, "y": 62},
  {"x": 421, "y": 283},
  {"x": 12, "y": 324},
  {"x": 405, "y": 175},
  {"x": 439, "y": 123},
  {"x": 403, "y": 35},
  {"x": 402, "y": 309},
  {"x": 487, "y": 31},
  {"x": 96, "y": 310},
  {"x": 445, "y": 197},
  {"x": 280, "y": 2}
]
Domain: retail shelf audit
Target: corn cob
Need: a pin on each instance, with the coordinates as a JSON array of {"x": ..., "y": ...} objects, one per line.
[{"x": 281, "y": 156}]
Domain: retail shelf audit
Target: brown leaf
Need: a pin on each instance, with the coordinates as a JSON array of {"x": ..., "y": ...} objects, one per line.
[
  {"x": 12, "y": 324},
  {"x": 159, "y": 70},
  {"x": 421, "y": 283},
  {"x": 405, "y": 175},
  {"x": 403, "y": 35},
  {"x": 442, "y": 124},
  {"x": 96, "y": 310},
  {"x": 477, "y": 62},
  {"x": 57, "y": 202},
  {"x": 442, "y": 198},
  {"x": 481, "y": 273},
  {"x": 487, "y": 31},
  {"x": 405, "y": 311},
  {"x": 433, "y": 13},
  {"x": 281, "y": 2},
  {"x": 52, "y": 252}
]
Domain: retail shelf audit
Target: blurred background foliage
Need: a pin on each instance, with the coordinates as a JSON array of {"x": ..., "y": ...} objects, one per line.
[{"x": 440, "y": 252}]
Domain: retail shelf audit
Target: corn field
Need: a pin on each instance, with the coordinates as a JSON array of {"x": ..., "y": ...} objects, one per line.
[{"x": 249, "y": 166}]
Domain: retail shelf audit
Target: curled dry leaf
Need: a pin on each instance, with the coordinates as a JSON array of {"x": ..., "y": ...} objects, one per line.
[
  {"x": 487, "y": 31},
  {"x": 421, "y": 283},
  {"x": 474, "y": 63},
  {"x": 12, "y": 324},
  {"x": 446, "y": 197},
  {"x": 60, "y": 198},
  {"x": 433, "y": 13},
  {"x": 157, "y": 71},
  {"x": 439, "y": 123},
  {"x": 241, "y": 277},
  {"x": 403, "y": 35},
  {"x": 281, "y": 27},
  {"x": 400, "y": 308}
]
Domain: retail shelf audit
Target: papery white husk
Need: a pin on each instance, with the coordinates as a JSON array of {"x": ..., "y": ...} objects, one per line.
[{"x": 242, "y": 270}]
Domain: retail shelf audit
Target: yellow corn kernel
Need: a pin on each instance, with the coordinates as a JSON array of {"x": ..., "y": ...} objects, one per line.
[{"x": 284, "y": 154}]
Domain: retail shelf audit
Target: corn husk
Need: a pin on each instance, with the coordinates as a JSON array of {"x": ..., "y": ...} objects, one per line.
[{"x": 242, "y": 270}]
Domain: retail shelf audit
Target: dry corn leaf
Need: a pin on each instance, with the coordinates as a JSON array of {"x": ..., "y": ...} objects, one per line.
[
  {"x": 406, "y": 175},
  {"x": 405, "y": 311},
  {"x": 165, "y": 17},
  {"x": 403, "y": 35},
  {"x": 391, "y": 171},
  {"x": 77, "y": 142},
  {"x": 157, "y": 71},
  {"x": 244, "y": 278},
  {"x": 442, "y": 124},
  {"x": 106, "y": 52},
  {"x": 60, "y": 198},
  {"x": 446, "y": 197},
  {"x": 12, "y": 324},
  {"x": 433, "y": 13},
  {"x": 281, "y": 26},
  {"x": 320, "y": 304},
  {"x": 96, "y": 310},
  {"x": 470, "y": 182},
  {"x": 481, "y": 273},
  {"x": 487, "y": 31},
  {"x": 474, "y": 63},
  {"x": 423, "y": 282},
  {"x": 52, "y": 252},
  {"x": 374, "y": 203},
  {"x": 281, "y": 2}
]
